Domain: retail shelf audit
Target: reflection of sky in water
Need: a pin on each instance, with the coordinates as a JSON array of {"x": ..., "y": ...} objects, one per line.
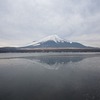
[{"x": 28, "y": 78}]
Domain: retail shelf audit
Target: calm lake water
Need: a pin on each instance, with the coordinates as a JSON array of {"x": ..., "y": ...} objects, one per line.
[{"x": 50, "y": 76}]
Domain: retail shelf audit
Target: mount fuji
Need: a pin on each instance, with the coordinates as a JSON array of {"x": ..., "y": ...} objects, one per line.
[
  {"x": 54, "y": 41},
  {"x": 51, "y": 43}
]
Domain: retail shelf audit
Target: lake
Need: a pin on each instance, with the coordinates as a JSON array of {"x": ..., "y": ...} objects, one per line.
[{"x": 50, "y": 76}]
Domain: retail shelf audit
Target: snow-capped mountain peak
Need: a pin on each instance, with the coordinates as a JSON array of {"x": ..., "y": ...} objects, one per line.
[
  {"x": 54, "y": 41},
  {"x": 54, "y": 38}
]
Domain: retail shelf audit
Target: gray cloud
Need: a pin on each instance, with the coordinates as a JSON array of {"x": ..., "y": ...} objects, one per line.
[{"x": 23, "y": 21}]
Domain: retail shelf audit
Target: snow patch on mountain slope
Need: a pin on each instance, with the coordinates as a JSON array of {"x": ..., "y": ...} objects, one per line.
[{"x": 54, "y": 38}]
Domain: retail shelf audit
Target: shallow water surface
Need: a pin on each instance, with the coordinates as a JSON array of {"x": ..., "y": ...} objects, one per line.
[{"x": 50, "y": 76}]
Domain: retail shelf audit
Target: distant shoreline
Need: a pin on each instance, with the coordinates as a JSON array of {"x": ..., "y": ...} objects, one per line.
[{"x": 29, "y": 50}]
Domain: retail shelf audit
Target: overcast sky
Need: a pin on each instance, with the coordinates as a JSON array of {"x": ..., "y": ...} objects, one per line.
[{"x": 24, "y": 21}]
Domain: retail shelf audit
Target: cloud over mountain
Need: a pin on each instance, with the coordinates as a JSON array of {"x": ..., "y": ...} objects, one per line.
[{"x": 23, "y": 21}]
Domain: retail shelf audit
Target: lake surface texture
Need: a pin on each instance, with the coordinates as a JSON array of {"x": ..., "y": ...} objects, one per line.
[{"x": 50, "y": 76}]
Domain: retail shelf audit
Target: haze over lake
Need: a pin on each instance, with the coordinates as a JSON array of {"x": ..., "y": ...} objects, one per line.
[{"x": 50, "y": 76}]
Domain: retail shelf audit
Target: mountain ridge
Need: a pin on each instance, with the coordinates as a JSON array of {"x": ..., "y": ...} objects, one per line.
[
  {"x": 51, "y": 43},
  {"x": 54, "y": 41}
]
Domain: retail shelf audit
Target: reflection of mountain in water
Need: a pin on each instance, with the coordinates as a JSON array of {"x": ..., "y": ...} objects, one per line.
[
  {"x": 55, "y": 62},
  {"x": 59, "y": 60}
]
